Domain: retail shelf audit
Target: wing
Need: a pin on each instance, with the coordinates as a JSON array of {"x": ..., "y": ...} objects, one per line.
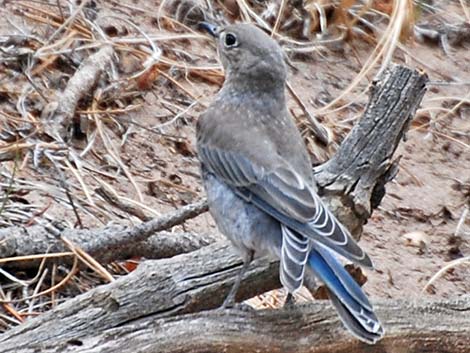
[{"x": 284, "y": 195}]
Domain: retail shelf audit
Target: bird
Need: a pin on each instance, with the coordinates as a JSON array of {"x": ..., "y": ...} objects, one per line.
[{"x": 259, "y": 182}]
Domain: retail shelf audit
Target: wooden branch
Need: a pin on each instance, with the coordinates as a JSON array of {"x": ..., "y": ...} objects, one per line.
[
  {"x": 159, "y": 246},
  {"x": 149, "y": 307},
  {"x": 354, "y": 179},
  {"x": 313, "y": 328},
  {"x": 107, "y": 244},
  {"x": 158, "y": 288},
  {"x": 59, "y": 113},
  {"x": 148, "y": 311}
]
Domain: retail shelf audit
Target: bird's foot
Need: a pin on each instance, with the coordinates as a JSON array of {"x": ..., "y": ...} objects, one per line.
[{"x": 289, "y": 304}]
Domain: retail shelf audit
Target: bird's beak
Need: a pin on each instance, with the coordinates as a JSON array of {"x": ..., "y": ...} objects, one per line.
[{"x": 213, "y": 30}]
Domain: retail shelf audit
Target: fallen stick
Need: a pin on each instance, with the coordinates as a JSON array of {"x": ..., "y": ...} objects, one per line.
[
  {"x": 58, "y": 114},
  {"x": 109, "y": 243}
]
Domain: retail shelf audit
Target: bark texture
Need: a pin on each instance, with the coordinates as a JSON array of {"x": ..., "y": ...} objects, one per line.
[
  {"x": 109, "y": 243},
  {"x": 354, "y": 179},
  {"x": 160, "y": 308},
  {"x": 182, "y": 284},
  {"x": 314, "y": 328}
]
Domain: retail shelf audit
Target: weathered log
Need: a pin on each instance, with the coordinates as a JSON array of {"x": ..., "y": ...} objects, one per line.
[
  {"x": 417, "y": 327},
  {"x": 354, "y": 179},
  {"x": 186, "y": 283},
  {"x": 147, "y": 311},
  {"x": 159, "y": 295},
  {"x": 314, "y": 328}
]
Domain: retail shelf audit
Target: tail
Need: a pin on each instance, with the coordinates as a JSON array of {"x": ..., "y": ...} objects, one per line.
[{"x": 350, "y": 302}]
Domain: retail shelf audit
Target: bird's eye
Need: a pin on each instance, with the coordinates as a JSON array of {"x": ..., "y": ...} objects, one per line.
[{"x": 230, "y": 40}]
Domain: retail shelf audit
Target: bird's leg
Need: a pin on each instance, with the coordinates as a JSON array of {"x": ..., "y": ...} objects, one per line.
[
  {"x": 290, "y": 302},
  {"x": 229, "y": 302}
]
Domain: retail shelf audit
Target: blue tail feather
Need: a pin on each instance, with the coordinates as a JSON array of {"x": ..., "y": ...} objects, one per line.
[
  {"x": 351, "y": 303},
  {"x": 343, "y": 276}
]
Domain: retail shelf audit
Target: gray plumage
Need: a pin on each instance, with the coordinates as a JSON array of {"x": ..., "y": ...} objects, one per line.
[{"x": 258, "y": 177}]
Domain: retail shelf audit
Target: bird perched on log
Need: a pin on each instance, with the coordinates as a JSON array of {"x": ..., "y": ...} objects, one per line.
[{"x": 259, "y": 181}]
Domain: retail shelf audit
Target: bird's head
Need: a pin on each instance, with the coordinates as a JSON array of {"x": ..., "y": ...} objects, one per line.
[{"x": 249, "y": 55}]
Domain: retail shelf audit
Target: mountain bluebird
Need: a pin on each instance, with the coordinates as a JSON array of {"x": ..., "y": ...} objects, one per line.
[{"x": 259, "y": 181}]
